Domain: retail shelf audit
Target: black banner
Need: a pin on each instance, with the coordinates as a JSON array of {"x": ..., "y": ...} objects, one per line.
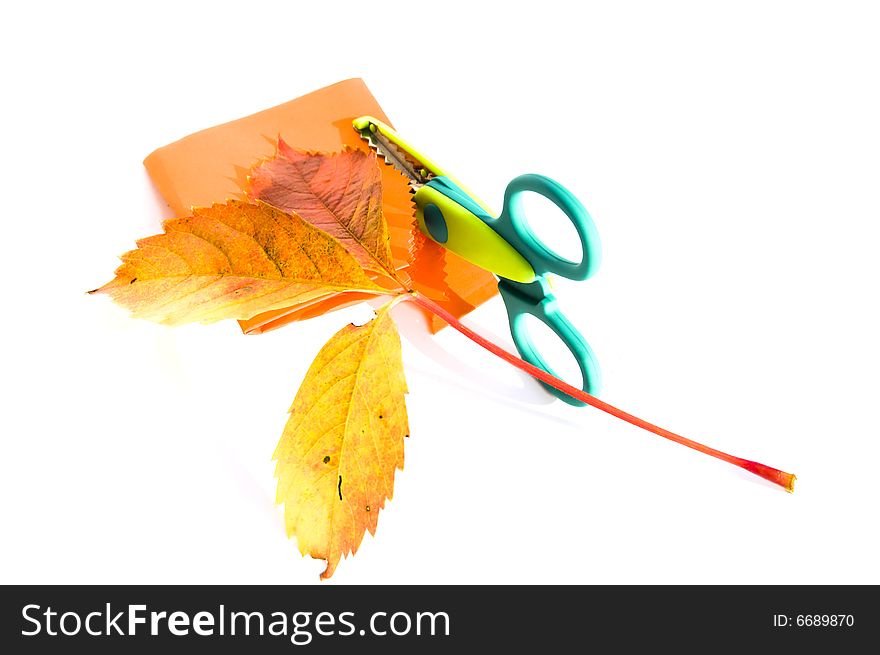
[{"x": 112, "y": 619}]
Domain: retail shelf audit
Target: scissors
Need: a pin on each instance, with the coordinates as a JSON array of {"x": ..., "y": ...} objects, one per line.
[{"x": 452, "y": 216}]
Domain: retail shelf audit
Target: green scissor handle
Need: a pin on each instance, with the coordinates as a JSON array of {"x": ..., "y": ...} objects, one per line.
[
  {"x": 536, "y": 298},
  {"x": 514, "y": 227}
]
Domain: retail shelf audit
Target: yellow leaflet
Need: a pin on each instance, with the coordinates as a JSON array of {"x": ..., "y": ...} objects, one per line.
[{"x": 344, "y": 440}]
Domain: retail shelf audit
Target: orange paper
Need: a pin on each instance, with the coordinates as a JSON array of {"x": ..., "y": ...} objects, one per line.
[{"x": 211, "y": 166}]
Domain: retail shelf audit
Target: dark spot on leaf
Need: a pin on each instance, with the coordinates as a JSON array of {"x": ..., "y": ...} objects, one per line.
[
  {"x": 133, "y": 280},
  {"x": 380, "y": 416},
  {"x": 367, "y": 508},
  {"x": 339, "y": 488},
  {"x": 326, "y": 459}
]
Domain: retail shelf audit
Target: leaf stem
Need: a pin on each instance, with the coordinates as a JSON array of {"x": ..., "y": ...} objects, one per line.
[{"x": 781, "y": 478}]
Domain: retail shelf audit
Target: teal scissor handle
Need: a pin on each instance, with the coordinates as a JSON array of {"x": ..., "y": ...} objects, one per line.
[
  {"x": 537, "y": 300},
  {"x": 514, "y": 227}
]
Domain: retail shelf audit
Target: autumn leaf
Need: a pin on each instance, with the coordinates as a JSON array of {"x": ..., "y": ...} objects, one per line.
[
  {"x": 323, "y": 240},
  {"x": 340, "y": 193},
  {"x": 232, "y": 261},
  {"x": 343, "y": 441}
]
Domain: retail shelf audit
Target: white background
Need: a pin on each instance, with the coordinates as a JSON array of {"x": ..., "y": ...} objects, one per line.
[{"x": 729, "y": 156}]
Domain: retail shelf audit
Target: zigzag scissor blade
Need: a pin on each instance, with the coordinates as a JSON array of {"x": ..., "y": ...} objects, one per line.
[
  {"x": 397, "y": 158},
  {"x": 394, "y": 157}
]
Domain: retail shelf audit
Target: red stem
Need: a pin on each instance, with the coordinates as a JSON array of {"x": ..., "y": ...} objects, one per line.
[{"x": 783, "y": 479}]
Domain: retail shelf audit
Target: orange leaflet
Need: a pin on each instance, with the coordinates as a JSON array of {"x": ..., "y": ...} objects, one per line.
[
  {"x": 232, "y": 261},
  {"x": 339, "y": 193}
]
